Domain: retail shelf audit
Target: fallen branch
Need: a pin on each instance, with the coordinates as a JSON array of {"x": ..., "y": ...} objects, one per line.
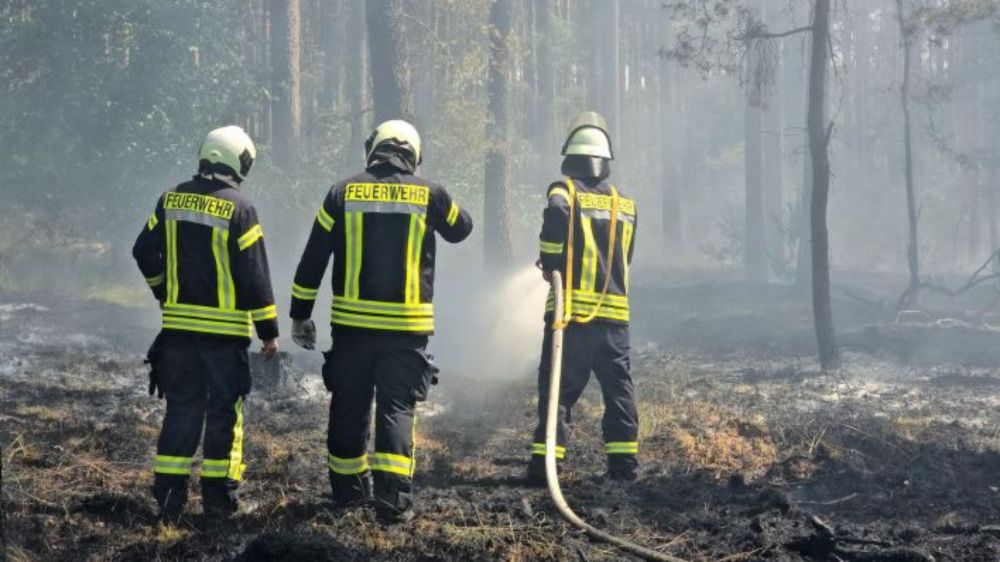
[{"x": 974, "y": 280}]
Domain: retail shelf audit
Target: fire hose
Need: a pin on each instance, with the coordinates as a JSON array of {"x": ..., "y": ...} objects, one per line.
[
  {"x": 562, "y": 315},
  {"x": 551, "y": 475}
]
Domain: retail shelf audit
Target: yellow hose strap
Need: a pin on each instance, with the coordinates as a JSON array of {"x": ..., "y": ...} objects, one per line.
[{"x": 612, "y": 240}]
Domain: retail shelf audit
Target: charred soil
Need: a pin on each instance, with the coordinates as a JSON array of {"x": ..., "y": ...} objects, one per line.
[{"x": 748, "y": 452}]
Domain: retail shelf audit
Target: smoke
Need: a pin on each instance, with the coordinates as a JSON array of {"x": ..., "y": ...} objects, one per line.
[{"x": 493, "y": 331}]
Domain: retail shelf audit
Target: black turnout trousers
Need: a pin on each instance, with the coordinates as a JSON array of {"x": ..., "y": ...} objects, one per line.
[
  {"x": 205, "y": 380},
  {"x": 601, "y": 347},
  {"x": 394, "y": 369}
]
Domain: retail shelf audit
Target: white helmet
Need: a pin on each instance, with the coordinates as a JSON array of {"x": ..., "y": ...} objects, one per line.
[
  {"x": 588, "y": 136},
  {"x": 230, "y": 147},
  {"x": 397, "y": 132}
]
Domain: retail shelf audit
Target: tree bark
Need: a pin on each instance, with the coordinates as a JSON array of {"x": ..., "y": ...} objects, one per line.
[
  {"x": 390, "y": 70},
  {"x": 332, "y": 16},
  {"x": 286, "y": 82},
  {"x": 912, "y": 255},
  {"x": 671, "y": 119},
  {"x": 545, "y": 128},
  {"x": 496, "y": 234},
  {"x": 357, "y": 76},
  {"x": 754, "y": 252},
  {"x": 819, "y": 138},
  {"x": 773, "y": 159}
]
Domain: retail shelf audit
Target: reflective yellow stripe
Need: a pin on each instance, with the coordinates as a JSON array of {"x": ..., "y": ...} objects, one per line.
[
  {"x": 227, "y": 271},
  {"x": 218, "y": 249},
  {"x": 354, "y": 230},
  {"x": 453, "y": 214},
  {"x": 304, "y": 293},
  {"x": 396, "y": 464},
  {"x": 382, "y": 308},
  {"x": 618, "y": 301},
  {"x": 266, "y": 313},
  {"x": 414, "y": 248},
  {"x": 152, "y": 222},
  {"x": 324, "y": 219},
  {"x": 236, "y": 466},
  {"x": 399, "y": 324},
  {"x": 250, "y": 236},
  {"x": 551, "y": 247},
  {"x": 155, "y": 281},
  {"x": 206, "y": 312},
  {"x": 588, "y": 267},
  {"x": 356, "y": 465},
  {"x": 214, "y": 468},
  {"x": 165, "y": 464},
  {"x": 559, "y": 192},
  {"x": 207, "y": 327},
  {"x": 539, "y": 450},
  {"x": 628, "y": 229},
  {"x": 622, "y": 448},
  {"x": 172, "y": 286}
]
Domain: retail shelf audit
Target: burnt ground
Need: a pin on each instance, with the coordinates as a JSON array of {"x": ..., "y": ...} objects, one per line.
[{"x": 749, "y": 453}]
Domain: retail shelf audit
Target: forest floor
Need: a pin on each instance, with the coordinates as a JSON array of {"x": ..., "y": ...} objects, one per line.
[{"x": 748, "y": 452}]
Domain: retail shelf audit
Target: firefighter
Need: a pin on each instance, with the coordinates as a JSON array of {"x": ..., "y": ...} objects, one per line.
[
  {"x": 588, "y": 232},
  {"x": 202, "y": 253},
  {"x": 380, "y": 225}
]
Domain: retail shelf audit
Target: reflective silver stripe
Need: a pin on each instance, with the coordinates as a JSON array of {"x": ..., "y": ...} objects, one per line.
[
  {"x": 385, "y": 207},
  {"x": 382, "y": 308},
  {"x": 207, "y": 312},
  {"x": 602, "y": 214},
  {"x": 198, "y": 218}
]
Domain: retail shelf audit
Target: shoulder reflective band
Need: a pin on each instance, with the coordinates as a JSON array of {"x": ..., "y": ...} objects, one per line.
[
  {"x": 348, "y": 467},
  {"x": 396, "y": 464},
  {"x": 152, "y": 222},
  {"x": 165, "y": 464},
  {"x": 155, "y": 281},
  {"x": 551, "y": 247},
  {"x": 324, "y": 219},
  {"x": 266, "y": 313},
  {"x": 622, "y": 448},
  {"x": 559, "y": 192},
  {"x": 539, "y": 450},
  {"x": 304, "y": 293},
  {"x": 250, "y": 236},
  {"x": 453, "y": 214}
]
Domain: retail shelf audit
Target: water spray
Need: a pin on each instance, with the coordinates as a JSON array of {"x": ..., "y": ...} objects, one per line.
[{"x": 551, "y": 474}]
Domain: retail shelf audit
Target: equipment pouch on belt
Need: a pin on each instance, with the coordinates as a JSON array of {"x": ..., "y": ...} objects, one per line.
[
  {"x": 153, "y": 360},
  {"x": 430, "y": 377}
]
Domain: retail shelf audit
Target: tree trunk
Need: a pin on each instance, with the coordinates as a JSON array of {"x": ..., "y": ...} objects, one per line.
[
  {"x": 357, "y": 77},
  {"x": 286, "y": 83},
  {"x": 754, "y": 252},
  {"x": 545, "y": 128},
  {"x": 389, "y": 66},
  {"x": 670, "y": 119},
  {"x": 496, "y": 234},
  {"x": 819, "y": 138},
  {"x": 609, "y": 80},
  {"x": 912, "y": 250},
  {"x": 773, "y": 161},
  {"x": 332, "y": 16}
]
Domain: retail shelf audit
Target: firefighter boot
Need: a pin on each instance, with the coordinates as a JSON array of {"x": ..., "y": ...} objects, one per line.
[
  {"x": 170, "y": 491},
  {"x": 393, "y": 499},
  {"x": 623, "y": 468},
  {"x": 350, "y": 490},
  {"x": 219, "y": 498}
]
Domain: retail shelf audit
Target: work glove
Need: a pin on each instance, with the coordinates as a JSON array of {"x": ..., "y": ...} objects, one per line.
[
  {"x": 304, "y": 333},
  {"x": 153, "y": 360}
]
